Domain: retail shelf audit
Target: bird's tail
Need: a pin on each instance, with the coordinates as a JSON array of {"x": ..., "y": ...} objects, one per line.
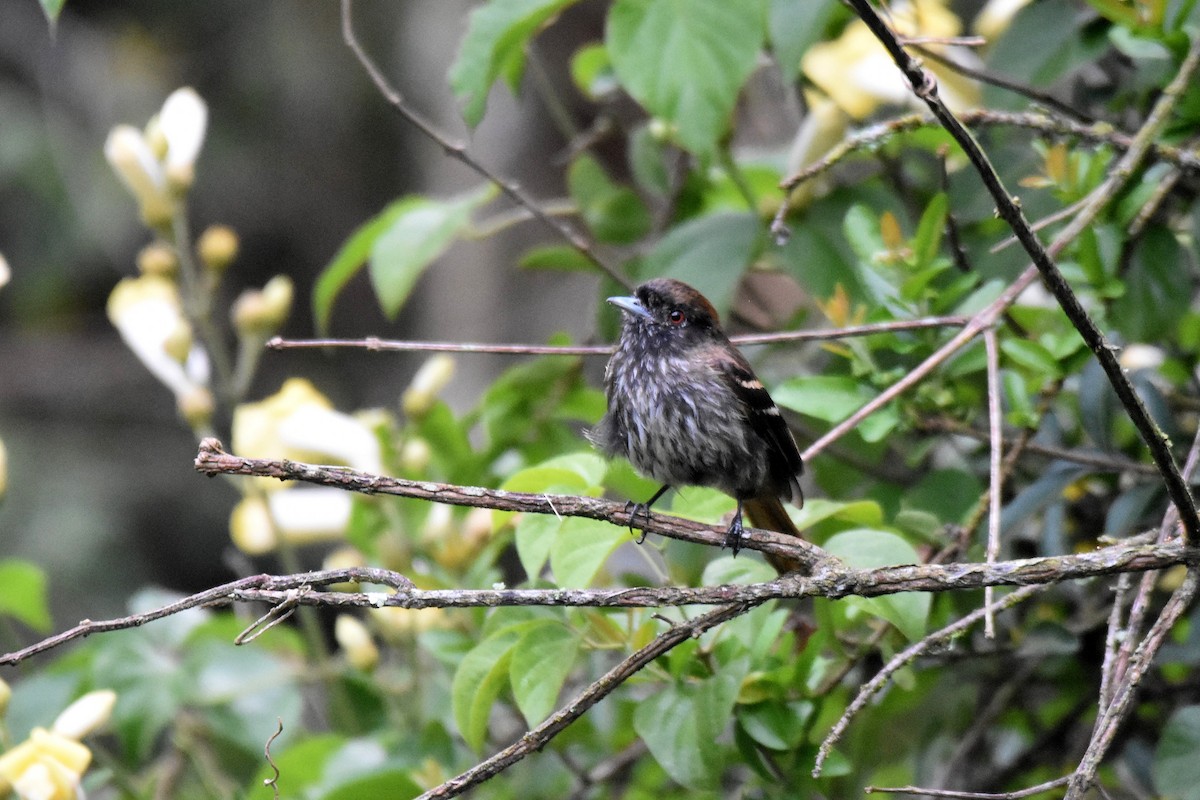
[{"x": 768, "y": 512}]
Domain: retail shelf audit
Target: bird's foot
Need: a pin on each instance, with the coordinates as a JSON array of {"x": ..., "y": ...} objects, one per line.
[
  {"x": 736, "y": 535},
  {"x": 633, "y": 510}
]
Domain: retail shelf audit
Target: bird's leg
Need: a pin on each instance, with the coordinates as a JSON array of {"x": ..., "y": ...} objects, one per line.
[
  {"x": 633, "y": 509},
  {"x": 736, "y": 533}
]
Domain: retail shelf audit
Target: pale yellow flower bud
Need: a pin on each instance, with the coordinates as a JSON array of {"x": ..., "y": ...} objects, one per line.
[
  {"x": 429, "y": 381},
  {"x": 159, "y": 259},
  {"x": 196, "y": 406},
  {"x": 178, "y": 343},
  {"x": 344, "y": 558},
  {"x": 356, "y": 642},
  {"x": 217, "y": 247},
  {"x": 135, "y": 164},
  {"x": 262, "y": 313},
  {"x": 415, "y": 455},
  {"x": 86, "y": 715},
  {"x": 402, "y": 623}
]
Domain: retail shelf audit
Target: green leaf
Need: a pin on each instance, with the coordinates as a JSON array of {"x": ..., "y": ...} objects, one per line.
[
  {"x": 592, "y": 71},
  {"x": 383, "y": 784},
  {"x": 833, "y": 398},
  {"x": 793, "y": 27},
  {"x": 52, "y": 8},
  {"x": 349, "y": 259},
  {"x": 930, "y": 229},
  {"x": 560, "y": 258},
  {"x": 23, "y": 593},
  {"x": 710, "y": 253},
  {"x": 1176, "y": 769},
  {"x": 685, "y": 60},
  {"x": 1155, "y": 299},
  {"x": 480, "y": 677},
  {"x": 540, "y": 664},
  {"x": 1032, "y": 356},
  {"x": 534, "y": 536},
  {"x": 581, "y": 548},
  {"x": 681, "y": 723},
  {"x": 418, "y": 234},
  {"x": 497, "y": 34},
  {"x": 613, "y": 213},
  {"x": 864, "y": 548}
]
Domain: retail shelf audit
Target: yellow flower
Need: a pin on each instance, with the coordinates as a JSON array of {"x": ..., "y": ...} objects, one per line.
[
  {"x": 159, "y": 163},
  {"x": 857, "y": 73},
  {"x": 356, "y": 642},
  {"x": 262, "y": 312},
  {"x": 430, "y": 379},
  {"x": 148, "y": 313},
  {"x": 299, "y": 516},
  {"x": 87, "y": 714},
  {"x": 46, "y": 766}
]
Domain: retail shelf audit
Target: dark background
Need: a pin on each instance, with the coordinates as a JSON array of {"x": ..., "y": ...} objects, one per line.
[{"x": 301, "y": 149}]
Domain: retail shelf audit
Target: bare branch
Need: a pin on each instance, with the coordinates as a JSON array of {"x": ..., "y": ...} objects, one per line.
[
  {"x": 1009, "y": 209},
  {"x": 459, "y": 152},
  {"x": 376, "y": 344}
]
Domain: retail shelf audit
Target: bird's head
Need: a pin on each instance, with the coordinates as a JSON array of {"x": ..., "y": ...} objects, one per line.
[{"x": 665, "y": 307}]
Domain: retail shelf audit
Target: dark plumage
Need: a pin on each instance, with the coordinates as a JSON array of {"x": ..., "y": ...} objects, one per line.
[{"x": 685, "y": 407}]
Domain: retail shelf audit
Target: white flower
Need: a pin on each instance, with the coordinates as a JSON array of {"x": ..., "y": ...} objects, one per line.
[
  {"x": 136, "y": 165},
  {"x": 857, "y": 73},
  {"x": 1142, "y": 356},
  {"x": 85, "y": 715},
  {"x": 182, "y": 122},
  {"x": 299, "y": 516},
  {"x": 148, "y": 313},
  {"x": 356, "y": 642},
  {"x": 430, "y": 379},
  {"x": 5, "y": 272}
]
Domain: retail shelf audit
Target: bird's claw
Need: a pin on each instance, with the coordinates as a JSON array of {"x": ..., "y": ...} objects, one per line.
[
  {"x": 735, "y": 536},
  {"x": 633, "y": 510}
]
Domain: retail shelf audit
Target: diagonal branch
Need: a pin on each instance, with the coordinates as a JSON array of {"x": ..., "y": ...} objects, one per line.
[
  {"x": 537, "y": 738},
  {"x": 459, "y": 152},
  {"x": 1009, "y": 209}
]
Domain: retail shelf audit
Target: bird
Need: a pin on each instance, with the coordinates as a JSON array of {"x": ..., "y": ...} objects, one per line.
[{"x": 685, "y": 407}]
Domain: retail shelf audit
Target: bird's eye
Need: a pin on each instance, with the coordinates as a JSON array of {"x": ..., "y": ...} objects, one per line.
[{"x": 676, "y": 317}]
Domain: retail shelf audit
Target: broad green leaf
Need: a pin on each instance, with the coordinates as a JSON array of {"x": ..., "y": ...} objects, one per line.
[
  {"x": 833, "y": 398},
  {"x": 23, "y": 594},
  {"x": 1154, "y": 300},
  {"x": 681, "y": 723},
  {"x": 861, "y": 512},
  {"x": 864, "y": 548},
  {"x": 793, "y": 27},
  {"x": 349, "y": 259},
  {"x": 710, "y": 253},
  {"x": 497, "y": 34},
  {"x": 384, "y": 784},
  {"x": 541, "y": 662},
  {"x": 1176, "y": 769},
  {"x": 1031, "y": 355},
  {"x": 581, "y": 548},
  {"x": 480, "y": 677},
  {"x": 559, "y": 258},
  {"x": 416, "y": 236},
  {"x": 929, "y": 230},
  {"x": 613, "y": 213},
  {"x": 774, "y": 725},
  {"x": 685, "y": 60},
  {"x": 535, "y": 534}
]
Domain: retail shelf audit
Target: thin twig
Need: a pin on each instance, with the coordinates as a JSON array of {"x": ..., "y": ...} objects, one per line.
[
  {"x": 376, "y": 344},
  {"x": 960, "y": 795},
  {"x": 538, "y": 737},
  {"x": 925, "y": 87},
  {"x": 995, "y": 476},
  {"x": 1100, "y": 461},
  {"x": 907, "y": 656},
  {"x": 459, "y": 152}
]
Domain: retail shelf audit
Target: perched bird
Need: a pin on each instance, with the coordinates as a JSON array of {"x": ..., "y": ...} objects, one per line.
[{"x": 686, "y": 409}]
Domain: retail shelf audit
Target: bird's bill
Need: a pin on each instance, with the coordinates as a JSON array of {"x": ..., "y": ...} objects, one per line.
[{"x": 630, "y": 304}]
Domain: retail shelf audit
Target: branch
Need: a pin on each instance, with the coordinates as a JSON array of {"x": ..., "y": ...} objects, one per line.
[
  {"x": 537, "y": 738},
  {"x": 212, "y": 460},
  {"x": 1009, "y": 209},
  {"x": 459, "y": 152},
  {"x": 376, "y": 344}
]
